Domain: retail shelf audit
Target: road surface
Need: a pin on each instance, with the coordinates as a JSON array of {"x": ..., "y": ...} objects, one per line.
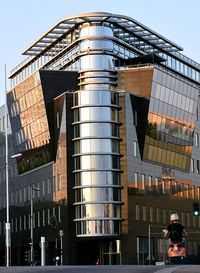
[{"x": 103, "y": 269}]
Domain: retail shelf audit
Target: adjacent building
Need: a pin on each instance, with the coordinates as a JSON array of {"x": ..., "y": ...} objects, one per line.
[{"x": 105, "y": 114}]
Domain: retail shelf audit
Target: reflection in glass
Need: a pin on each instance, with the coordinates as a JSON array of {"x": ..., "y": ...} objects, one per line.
[
  {"x": 96, "y": 139},
  {"x": 170, "y": 124}
]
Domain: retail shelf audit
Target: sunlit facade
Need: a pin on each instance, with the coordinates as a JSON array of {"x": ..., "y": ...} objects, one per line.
[
  {"x": 105, "y": 114},
  {"x": 171, "y": 108}
]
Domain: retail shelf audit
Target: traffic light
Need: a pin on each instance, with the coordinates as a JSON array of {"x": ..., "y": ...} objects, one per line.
[
  {"x": 57, "y": 256},
  {"x": 196, "y": 211}
]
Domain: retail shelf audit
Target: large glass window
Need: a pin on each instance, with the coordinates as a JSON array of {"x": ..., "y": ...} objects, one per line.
[
  {"x": 96, "y": 130},
  {"x": 100, "y": 97},
  {"x": 95, "y": 227},
  {"x": 96, "y": 162},
  {"x": 96, "y": 114},
  {"x": 137, "y": 212},
  {"x": 97, "y": 194},
  {"x": 144, "y": 213},
  {"x": 151, "y": 215},
  {"x": 97, "y": 178},
  {"x": 98, "y": 210}
]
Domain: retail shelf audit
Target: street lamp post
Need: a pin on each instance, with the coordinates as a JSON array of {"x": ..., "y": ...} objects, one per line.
[
  {"x": 61, "y": 233},
  {"x": 16, "y": 155},
  {"x": 7, "y": 226},
  {"x": 149, "y": 245},
  {"x": 31, "y": 239}
]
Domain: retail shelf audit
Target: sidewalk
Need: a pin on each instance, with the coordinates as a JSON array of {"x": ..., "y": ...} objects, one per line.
[{"x": 180, "y": 269}]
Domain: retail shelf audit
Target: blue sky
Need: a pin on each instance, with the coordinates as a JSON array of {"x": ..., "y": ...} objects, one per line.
[{"x": 22, "y": 22}]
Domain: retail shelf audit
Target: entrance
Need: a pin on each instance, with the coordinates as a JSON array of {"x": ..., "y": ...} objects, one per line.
[
  {"x": 111, "y": 253},
  {"x": 106, "y": 252},
  {"x": 142, "y": 250},
  {"x": 88, "y": 252}
]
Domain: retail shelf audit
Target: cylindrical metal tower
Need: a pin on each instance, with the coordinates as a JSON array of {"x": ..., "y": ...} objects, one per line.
[{"x": 96, "y": 136}]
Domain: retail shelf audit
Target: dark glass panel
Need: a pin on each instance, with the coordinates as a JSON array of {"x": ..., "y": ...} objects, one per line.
[
  {"x": 77, "y": 179},
  {"x": 115, "y": 162}
]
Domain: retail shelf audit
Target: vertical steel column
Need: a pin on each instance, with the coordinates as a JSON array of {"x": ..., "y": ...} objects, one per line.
[{"x": 32, "y": 236}]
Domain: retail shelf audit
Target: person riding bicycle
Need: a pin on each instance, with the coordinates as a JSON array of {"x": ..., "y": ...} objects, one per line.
[{"x": 175, "y": 231}]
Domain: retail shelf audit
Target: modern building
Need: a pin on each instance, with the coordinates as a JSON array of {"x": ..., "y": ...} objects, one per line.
[{"x": 105, "y": 114}]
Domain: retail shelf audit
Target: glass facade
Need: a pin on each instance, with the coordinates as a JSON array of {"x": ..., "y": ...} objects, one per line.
[
  {"x": 29, "y": 123},
  {"x": 171, "y": 121},
  {"x": 112, "y": 107},
  {"x": 27, "y": 110},
  {"x": 31, "y": 115}
]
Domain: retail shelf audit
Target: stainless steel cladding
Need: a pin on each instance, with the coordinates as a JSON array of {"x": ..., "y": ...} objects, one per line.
[{"x": 96, "y": 137}]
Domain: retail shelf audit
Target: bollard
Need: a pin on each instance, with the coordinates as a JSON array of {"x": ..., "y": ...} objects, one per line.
[{"x": 42, "y": 251}]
